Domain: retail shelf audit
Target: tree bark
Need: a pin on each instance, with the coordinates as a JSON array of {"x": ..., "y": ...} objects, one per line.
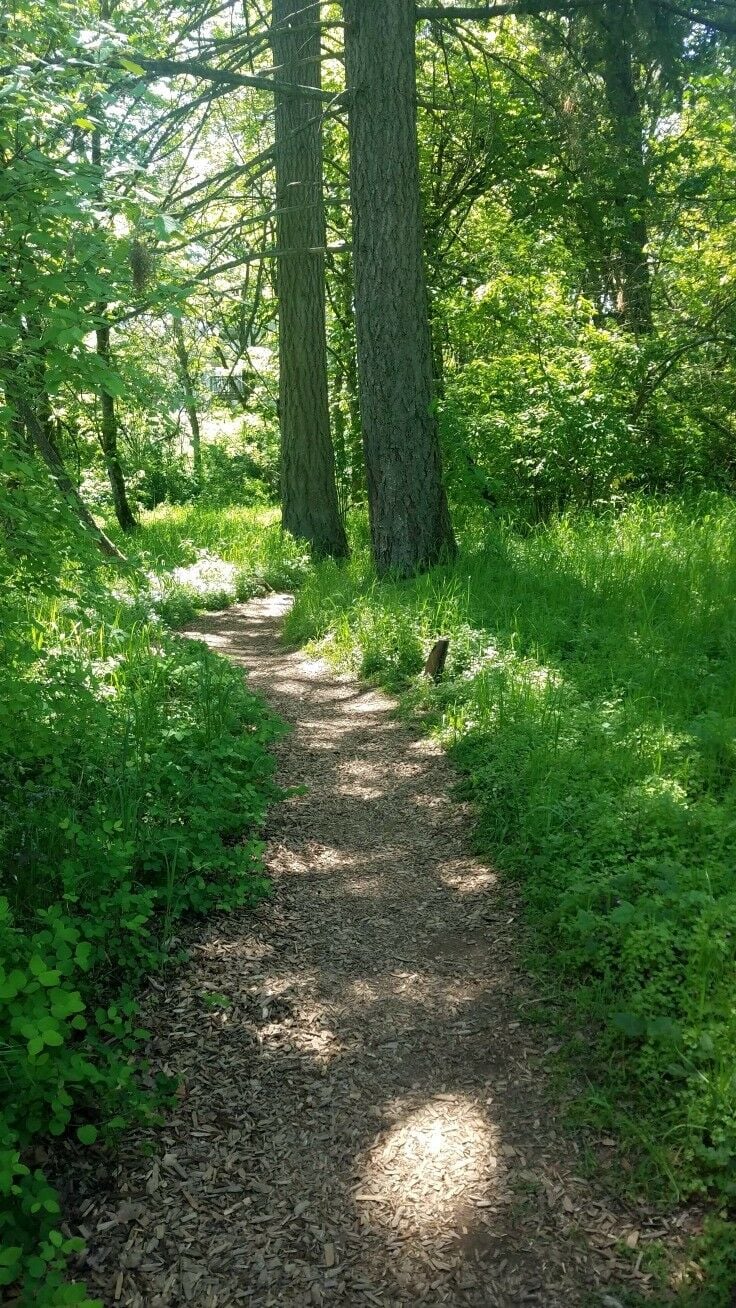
[
  {"x": 632, "y": 183},
  {"x": 410, "y": 521},
  {"x": 109, "y": 423},
  {"x": 310, "y": 508},
  {"x": 47, "y": 449},
  {"x": 190, "y": 402},
  {"x": 109, "y": 442}
]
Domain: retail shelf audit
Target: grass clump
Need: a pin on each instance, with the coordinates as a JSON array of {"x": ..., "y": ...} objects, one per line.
[
  {"x": 590, "y": 703},
  {"x": 207, "y": 558},
  {"x": 134, "y": 780}
]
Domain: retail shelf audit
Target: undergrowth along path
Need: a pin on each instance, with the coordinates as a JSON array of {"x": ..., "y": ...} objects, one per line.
[{"x": 363, "y": 1119}]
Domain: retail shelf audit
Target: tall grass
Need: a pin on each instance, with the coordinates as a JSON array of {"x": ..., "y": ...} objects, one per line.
[
  {"x": 590, "y": 703},
  {"x": 173, "y": 536}
]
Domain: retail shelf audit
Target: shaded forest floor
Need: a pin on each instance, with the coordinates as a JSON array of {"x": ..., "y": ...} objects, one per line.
[{"x": 364, "y": 1117}]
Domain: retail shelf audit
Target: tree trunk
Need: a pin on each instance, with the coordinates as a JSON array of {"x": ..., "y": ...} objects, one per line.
[
  {"x": 109, "y": 442},
  {"x": 309, "y": 495},
  {"x": 190, "y": 402},
  {"x": 410, "y": 521},
  {"x": 632, "y": 183},
  {"x": 109, "y": 424},
  {"x": 43, "y": 442}
]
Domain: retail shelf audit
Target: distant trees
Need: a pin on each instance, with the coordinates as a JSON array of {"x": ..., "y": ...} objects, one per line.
[
  {"x": 569, "y": 212},
  {"x": 190, "y": 399}
]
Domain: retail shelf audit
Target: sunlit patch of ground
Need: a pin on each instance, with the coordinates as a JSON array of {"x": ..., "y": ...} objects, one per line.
[
  {"x": 428, "y": 994},
  {"x": 466, "y": 878},
  {"x": 433, "y": 1164}
]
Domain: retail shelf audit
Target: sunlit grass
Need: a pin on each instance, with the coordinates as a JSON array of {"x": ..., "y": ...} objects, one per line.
[
  {"x": 207, "y": 558},
  {"x": 170, "y": 536}
]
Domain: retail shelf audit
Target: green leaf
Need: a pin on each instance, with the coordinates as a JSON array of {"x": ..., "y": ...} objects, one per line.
[
  {"x": 132, "y": 67},
  {"x": 113, "y": 385},
  {"x": 83, "y": 953},
  {"x": 663, "y": 1028},
  {"x": 85, "y": 123},
  {"x": 631, "y": 1025},
  {"x": 12, "y": 985},
  {"x": 214, "y": 1000},
  {"x": 87, "y": 1134},
  {"x": 164, "y": 226}
]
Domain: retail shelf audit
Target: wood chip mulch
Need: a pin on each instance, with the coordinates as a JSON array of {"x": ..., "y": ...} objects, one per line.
[{"x": 362, "y": 1117}]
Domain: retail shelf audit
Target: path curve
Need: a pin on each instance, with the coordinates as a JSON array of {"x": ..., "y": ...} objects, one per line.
[{"x": 368, "y": 1121}]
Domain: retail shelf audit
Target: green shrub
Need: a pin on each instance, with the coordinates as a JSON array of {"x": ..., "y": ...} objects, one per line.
[
  {"x": 134, "y": 780},
  {"x": 267, "y": 558}
]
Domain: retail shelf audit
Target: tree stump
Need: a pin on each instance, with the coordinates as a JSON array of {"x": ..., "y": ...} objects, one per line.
[{"x": 435, "y": 665}]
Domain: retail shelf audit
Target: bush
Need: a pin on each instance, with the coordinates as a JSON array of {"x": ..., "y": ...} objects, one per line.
[
  {"x": 134, "y": 779},
  {"x": 231, "y": 478},
  {"x": 200, "y": 557}
]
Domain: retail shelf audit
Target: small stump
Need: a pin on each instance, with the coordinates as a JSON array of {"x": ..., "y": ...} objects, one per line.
[{"x": 435, "y": 665}]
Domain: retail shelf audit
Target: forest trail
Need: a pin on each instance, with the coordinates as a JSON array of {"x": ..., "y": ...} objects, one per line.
[{"x": 367, "y": 1121}]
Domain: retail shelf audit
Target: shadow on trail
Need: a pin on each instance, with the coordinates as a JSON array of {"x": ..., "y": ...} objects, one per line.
[{"x": 362, "y": 1118}]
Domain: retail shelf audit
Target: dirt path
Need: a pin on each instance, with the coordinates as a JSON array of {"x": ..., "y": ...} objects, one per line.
[{"x": 366, "y": 1122}]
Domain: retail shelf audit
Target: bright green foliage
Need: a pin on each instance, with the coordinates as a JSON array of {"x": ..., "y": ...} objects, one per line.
[
  {"x": 134, "y": 777},
  {"x": 266, "y": 557},
  {"x": 548, "y": 399},
  {"x": 590, "y": 703}
]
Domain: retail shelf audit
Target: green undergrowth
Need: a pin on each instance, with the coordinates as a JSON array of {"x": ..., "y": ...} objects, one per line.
[
  {"x": 589, "y": 701},
  {"x": 207, "y": 558},
  {"x": 134, "y": 780}
]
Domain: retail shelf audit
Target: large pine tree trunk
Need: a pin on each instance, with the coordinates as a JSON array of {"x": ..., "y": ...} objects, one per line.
[
  {"x": 632, "y": 183},
  {"x": 410, "y": 522},
  {"x": 308, "y": 491}
]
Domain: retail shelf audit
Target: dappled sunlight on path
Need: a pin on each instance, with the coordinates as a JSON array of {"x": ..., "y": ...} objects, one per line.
[{"x": 362, "y": 1119}]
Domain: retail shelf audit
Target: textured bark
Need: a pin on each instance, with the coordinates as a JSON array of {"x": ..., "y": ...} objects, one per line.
[
  {"x": 190, "y": 402},
  {"x": 109, "y": 443},
  {"x": 632, "y": 183},
  {"x": 410, "y": 522},
  {"x": 109, "y": 419},
  {"x": 308, "y": 492}
]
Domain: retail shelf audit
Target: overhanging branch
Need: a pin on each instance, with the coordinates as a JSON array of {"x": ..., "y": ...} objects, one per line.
[
  {"x": 713, "y": 23},
  {"x": 223, "y": 76},
  {"x": 481, "y": 13}
]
